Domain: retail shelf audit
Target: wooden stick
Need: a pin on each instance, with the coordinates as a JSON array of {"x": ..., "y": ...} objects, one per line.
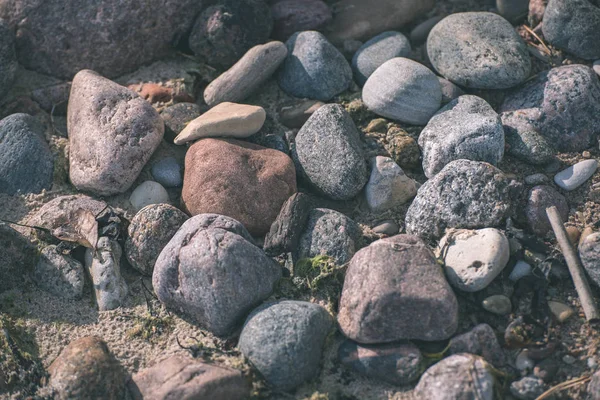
[{"x": 575, "y": 268}]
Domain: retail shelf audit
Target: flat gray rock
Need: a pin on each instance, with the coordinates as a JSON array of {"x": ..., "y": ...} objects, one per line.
[
  {"x": 525, "y": 142},
  {"x": 576, "y": 175},
  {"x": 376, "y": 51},
  {"x": 59, "y": 274}
]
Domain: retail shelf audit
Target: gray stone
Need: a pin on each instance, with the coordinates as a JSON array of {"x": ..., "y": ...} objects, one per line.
[
  {"x": 313, "y": 68},
  {"x": 528, "y": 388},
  {"x": 112, "y": 134},
  {"x": 497, "y": 304},
  {"x": 540, "y": 198},
  {"x": 8, "y": 57},
  {"x": 573, "y": 26},
  {"x": 450, "y": 91},
  {"x": 388, "y": 228},
  {"x": 547, "y": 369},
  {"x": 513, "y": 10},
  {"x": 465, "y": 194},
  {"x": 147, "y": 193},
  {"x": 59, "y": 274},
  {"x": 418, "y": 35},
  {"x": 525, "y": 143},
  {"x": 284, "y": 341},
  {"x": 299, "y": 15},
  {"x": 536, "y": 179},
  {"x": 403, "y": 90},
  {"x": 285, "y": 232},
  {"x": 177, "y": 116},
  {"x": 520, "y": 270},
  {"x": 104, "y": 266},
  {"x": 388, "y": 185},
  {"x": 481, "y": 341},
  {"x": 478, "y": 50},
  {"x": 17, "y": 258},
  {"x": 576, "y": 175},
  {"x": 296, "y": 115},
  {"x": 26, "y": 163},
  {"x": 466, "y": 128},
  {"x": 394, "y": 289},
  {"x": 596, "y": 67},
  {"x": 167, "y": 172},
  {"x": 377, "y": 51},
  {"x": 328, "y": 153},
  {"x": 594, "y": 386},
  {"x": 589, "y": 252}
]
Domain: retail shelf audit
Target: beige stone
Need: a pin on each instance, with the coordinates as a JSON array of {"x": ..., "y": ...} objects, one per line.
[{"x": 561, "y": 311}]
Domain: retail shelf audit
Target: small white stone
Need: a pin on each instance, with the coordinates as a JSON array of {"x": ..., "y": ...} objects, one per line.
[
  {"x": 569, "y": 359},
  {"x": 147, "y": 193},
  {"x": 592, "y": 363},
  {"x": 576, "y": 175},
  {"x": 523, "y": 361},
  {"x": 520, "y": 270},
  {"x": 388, "y": 185}
]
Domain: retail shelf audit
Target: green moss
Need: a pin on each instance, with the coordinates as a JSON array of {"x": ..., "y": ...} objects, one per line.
[{"x": 149, "y": 327}]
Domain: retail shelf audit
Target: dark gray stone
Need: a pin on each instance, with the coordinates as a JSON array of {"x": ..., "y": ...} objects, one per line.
[
  {"x": 59, "y": 274},
  {"x": 513, "y": 10},
  {"x": 526, "y": 143},
  {"x": 8, "y": 58},
  {"x": 528, "y": 388},
  {"x": 17, "y": 258},
  {"x": 450, "y": 91},
  {"x": 299, "y": 15},
  {"x": 167, "y": 172},
  {"x": 540, "y": 198},
  {"x": 465, "y": 194},
  {"x": 377, "y": 51},
  {"x": 177, "y": 116},
  {"x": 481, "y": 341},
  {"x": 314, "y": 68},
  {"x": 26, "y": 163},
  {"x": 272, "y": 141},
  {"x": 284, "y": 341},
  {"x": 288, "y": 227},
  {"x": 478, "y": 50},
  {"x": 589, "y": 252},
  {"x": 327, "y": 153}
]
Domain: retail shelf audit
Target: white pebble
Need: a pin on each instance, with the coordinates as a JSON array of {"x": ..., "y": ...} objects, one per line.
[
  {"x": 523, "y": 361},
  {"x": 576, "y": 175},
  {"x": 147, "y": 193},
  {"x": 521, "y": 270}
]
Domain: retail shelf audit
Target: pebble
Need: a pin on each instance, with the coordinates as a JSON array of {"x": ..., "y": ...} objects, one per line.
[
  {"x": 403, "y": 90},
  {"x": 292, "y": 16},
  {"x": 377, "y": 125},
  {"x": 594, "y": 387},
  {"x": 589, "y": 252},
  {"x": 573, "y": 234},
  {"x": 497, "y": 304},
  {"x": 314, "y": 68},
  {"x": 479, "y": 50},
  {"x": 385, "y": 299},
  {"x": 523, "y": 362},
  {"x": 592, "y": 363},
  {"x": 513, "y": 10},
  {"x": 104, "y": 266},
  {"x": 18, "y": 256},
  {"x": 284, "y": 341},
  {"x": 403, "y": 149},
  {"x": 247, "y": 75},
  {"x": 520, "y": 270},
  {"x": 576, "y": 175},
  {"x": 528, "y": 388},
  {"x": 588, "y": 230},
  {"x": 536, "y": 179},
  {"x": 418, "y": 35},
  {"x": 561, "y": 311},
  {"x": 9, "y": 64},
  {"x": 568, "y": 359},
  {"x": 388, "y": 185},
  {"x": 466, "y": 128},
  {"x": 525, "y": 143},
  {"x": 540, "y": 198},
  {"x": 377, "y": 51},
  {"x": 286, "y": 230},
  {"x": 271, "y": 141},
  {"x": 148, "y": 192},
  {"x": 224, "y": 120},
  {"x": 167, "y": 172},
  {"x": 295, "y": 116},
  {"x": 177, "y": 117},
  {"x": 389, "y": 228},
  {"x": 546, "y": 369},
  {"x": 596, "y": 67},
  {"x": 59, "y": 274},
  {"x": 449, "y": 90},
  {"x": 481, "y": 341}
]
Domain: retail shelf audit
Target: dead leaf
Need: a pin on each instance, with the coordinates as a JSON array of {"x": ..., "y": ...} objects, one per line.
[{"x": 83, "y": 229}]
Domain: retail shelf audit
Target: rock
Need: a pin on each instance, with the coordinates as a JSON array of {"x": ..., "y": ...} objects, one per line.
[
  {"x": 576, "y": 175},
  {"x": 109, "y": 37},
  {"x": 560, "y": 104},
  {"x": 388, "y": 228},
  {"x": 568, "y": 359},
  {"x": 460, "y": 376},
  {"x": 573, "y": 234},
  {"x": 561, "y": 311},
  {"x": 314, "y": 68},
  {"x": 418, "y": 35},
  {"x": 284, "y": 341},
  {"x": 59, "y": 274},
  {"x": 546, "y": 369},
  {"x": 449, "y": 90},
  {"x": 536, "y": 179},
  {"x": 86, "y": 369},
  {"x": 466, "y": 128},
  {"x": 398, "y": 364},
  {"x": 481, "y": 341},
  {"x": 247, "y": 75},
  {"x": 526, "y": 143},
  {"x": 177, "y": 117},
  {"x": 403, "y": 149},
  {"x": 148, "y": 192},
  {"x": 377, "y": 125},
  {"x": 271, "y": 141},
  {"x": 473, "y": 258},
  {"x": 224, "y": 120},
  {"x": 328, "y": 154},
  {"x": 513, "y": 10},
  {"x": 295, "y": 116},
  {"x": 149, "y": 232},
  {"x": 104, "y": 266},
  {"x": 536, "y": 12},
  {"x": 225, "y": 31},
  {"x": 185, "y": 378},
  {"x": 388, "y": 186},
  {"x": 242, "y": 180},
  {"x": 292, "y": 16},
  {"x": 465, "y": 194},
  {"x": 596, "y": 67},
  {"x": 285, "y": 232},
  {"x": 167, "y": 172},
  {"x": 588, "y": 230},
  {"x": 213, "y": 276},
  {"x": 479, "y": 50},
  {"x": 112, "y": 134},
  {"x": 403, "y": 90},
  {"x": 497, "y": 304},
  {"x": 573, "y": 26},
  {"x": 393, "y": 290},
  {"x": 594, "y": 386},
  {"x": 540, "y": 198},
  {"x": 17, "y": 258},
  {"x": 377, "y": 51},
  {"x": 26, "y": 163},
  {"x": 528, "y": 388},
  {"x": 523, "y": 362},
  {"x": 9, "y": 64},
  {"x": 589, "y": 252},
  {"x": 520, "y": 270}
]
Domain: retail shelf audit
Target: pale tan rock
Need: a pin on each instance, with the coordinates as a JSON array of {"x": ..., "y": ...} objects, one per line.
[{"x": 561, "y": 311}]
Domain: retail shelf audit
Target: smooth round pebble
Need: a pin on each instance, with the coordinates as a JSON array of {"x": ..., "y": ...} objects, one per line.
[
  {"x": 497, "y": 304},
  {"x": 389, "y": 228},
  {"x": 568, "y": 359},
  {"x": 525, "y": 143},
  {"x": 523, "y": 362},
  {"x": 377, "y": 51},
  {"x": 536, "y": 179},
  {"x": 450, "y": 91},
  {"x": 561, "y": 311},
  {"x": 167, "y": 172},
  {"x": 481, "y": 341},
  {"x": 521, "y": 270},
  {"x": 576, "y": 175},
  {"x": 148, "y": 192}
]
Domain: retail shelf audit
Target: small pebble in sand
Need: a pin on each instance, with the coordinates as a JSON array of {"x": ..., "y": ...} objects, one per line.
[
  {"x": 147, "y": 193},
  {"x": 576, "y": 175},
  {"x": 523, "y": 362}
]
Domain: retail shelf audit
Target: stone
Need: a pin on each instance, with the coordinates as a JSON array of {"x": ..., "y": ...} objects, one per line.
[
  {"x": 576, "y": 175},
  {"x": 473, "y": 258},
  {"x": 313, "y": 68},
  {"x": 271, "y": 141},
  {"x": 481, "y": 341},
  {"x": 213, "y": 276},
  {"x": 528, "y": 388},
  {"x": 540, "y": 198},
  {"x": 589, "y": 252},
  {"x": 478, "y": 50},
  {"x": 464, "y": 194},
  {"x": 112, "y": 134},
  {"x": 328, "y": 154},
  {"x": 185, "y": 378},
  {"x": 284, "y": 341},
  {"x": 513, "y": 10},
  {"x": 149, "y": 232},
  {"x": 460, "y": 376},
  {"x": 398, "y": 364},
  {"x": 329, "y": 233},
  {"x": 17, "y": 258},
  {"x": 569, "y": 359},
  {"x": 449, "y": 90},
  {"x": 109, "y": 37},
  {"x": 560, "y": 104},
  {"x": 520, "y": 270},
  {"x": 26, "y": 162},
  {"x": 247, "y": 75},
  {"x": 573, "y": 26},
  {"x": 148, "y": 192},
  {"x": 286, "y": 230},
  {"x": 388, "y": 228},
  {"x": 377, "y": 51},
  {"x": 292, "y": 16},
  {"x": 525, "y": 143},
  {"x": 394, "y": 289},
  {"x": 573, "y": 234},
  {"x": 536, "y": 13},
  {"x": 587, "y": 231},
  {"x": 594, "y": 386},
  {"x": 242, "y": 180},
  {"x": 9, "y": 64},
  {"x": 388, "y": 185},
  {"x": 224, "y": 120},
  {"x": 403, "y": 149},
  {"x": 403, "y": 90},
  {"x": 377, "y": 125},
  {"x": 561, "y": 311},
  {"x": 536, "y": 179},
  {"x": 596, "y": 67},
  {"x": 295, "y": 116},
  {"x": 523, "y": 362},
  {"x": 466, "y": 128},
  {"x": 86, "y": 369},
  {"x": 497, "y": 304},
  {"x": 59, "y": 274},
  {"x": 225, "y": 31},
  {"x": 418, "y": 35},
  {"x": 546, "y": 369},
  {"x": 177, "y": 117},
  {"x": 167, "y": 172},
  {"x": 104, "y": 266}
]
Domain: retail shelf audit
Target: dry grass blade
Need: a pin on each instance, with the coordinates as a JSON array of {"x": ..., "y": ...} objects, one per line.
[
  {"x": 564, "y": 385},
  {"x": 535, "y": 35}
]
